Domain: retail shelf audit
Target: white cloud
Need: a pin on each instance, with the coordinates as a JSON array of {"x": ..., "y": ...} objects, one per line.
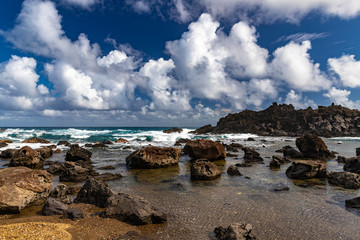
[
  {"x": 301, "y": 37},
  {"x": 52, "y": 113},
  {"x": 347, "y": 68},
  {"x": 114, "y": 57},
  {"x": 140, "y": 6},
  {"x": 82, "y": 3},
  {"x": 291, "y": 11},
  {"x": 341, "y": 97},
  {"x": 292, "y": 64},
  {"x": 298, "y": 102},
  {"x": 260, "y": 90}
]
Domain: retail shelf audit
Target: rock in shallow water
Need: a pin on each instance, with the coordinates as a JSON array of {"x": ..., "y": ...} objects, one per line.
[
  {"x": 233, "y": 171},
  {"x": 305, "y": 169},
  {"x": 153, "y": 157},
  {"x": 353, "y": 166},
  {"x": 204, "y": 148},
  {"x": 252, "y": 156},
  {"x": 311, "y": 146},
  {"x": 27, "y": 157},
  {"x": 203, "y": 169},
  {"x": 77, "y": 153},
  {"x": 236, "y": 231},
  {"x": 94, "y": 192},
  {"x": 21, "y": 187},
  {"x": 353, "y": 203},
  {"x": 345, "y": 179},
  {"x": 35, "y": 140}
]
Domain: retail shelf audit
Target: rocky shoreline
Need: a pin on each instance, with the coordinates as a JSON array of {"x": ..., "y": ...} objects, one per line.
[
  {"x": 92, "y": 200},
  {"x": 284, "y": 120}
]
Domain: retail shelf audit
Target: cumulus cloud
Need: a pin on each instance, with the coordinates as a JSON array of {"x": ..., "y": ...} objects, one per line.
[
  {"x": 82, "y": 3},
  {"x": 348, "y": 70},
  {"x": 298, "y": 101},
  {"x": 292, "y": 64},
  {"x": 341, "y": 97},
  {"x": 291, "y": 11}
]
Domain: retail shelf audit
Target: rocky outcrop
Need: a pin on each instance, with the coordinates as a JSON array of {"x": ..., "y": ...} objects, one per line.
[
  {"x": 153, "y": 157},
  {"x": 35, "y": 140},
  {"x": 203, "y": 130},
  {"x": 305, "y": 169},
  {"x": 353, "y": 166},
  {"x": 21, "y": 187},
  {"x": 203, "y": 148},
  {"x": 77, "y": 153},
  {"x": 345, "y": 179},
  {"x": 313, "y": 147},
  {"x": 173, "y": 130},
  {"x": 284, "y": 120},
  {"x": 132, "y": 209},
  {"x": 27, "y": 157},
  {"x": 252, "y": 156},
  {"x": 203, "y": 169},
  {"x": 236, "y": 231}
]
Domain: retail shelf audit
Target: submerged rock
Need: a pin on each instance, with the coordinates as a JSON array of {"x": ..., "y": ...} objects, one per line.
[
  {"x": 311, "y": 146},
  {"x": 345, "y": 179},
  {"x": 203, "y": 169},
  {"x": 233, "y": 171},
  {"x": 291, "y": 152},
  {"x": 77, "y": 153},
  {"x": 252, "y": 156},
  {"x": 173, "y": 130},
  {"x": 236, "y": 231},
  {"x": 153, "y": 157},
  {"x": 277, "y": 161},
  {"x": 35, "y": 140},
  {"x": 204, "y": 148},
  {"x": 305, "y": 169},
  {"x": 21, "y": 187},
  {"x": 27, "y": 157}
]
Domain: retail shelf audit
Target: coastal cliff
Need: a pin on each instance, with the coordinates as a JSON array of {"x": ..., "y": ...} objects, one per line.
[{"x": 284, "y": 120}]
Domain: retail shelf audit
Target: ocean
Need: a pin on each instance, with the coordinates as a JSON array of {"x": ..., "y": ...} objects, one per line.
[{"x": 197, "y": 207}]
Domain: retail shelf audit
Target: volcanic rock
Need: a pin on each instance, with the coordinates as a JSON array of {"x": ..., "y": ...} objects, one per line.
[
  {"x": 35, "y": 140},
  {"x": 8, "y": 153},
  {"x": 345, "y": 179},
  {"x": 75, "y": 172},
  {"x": 203, "y": 148},
  {"x": 305, "y": 169},
  {"x": 277, "y": 161},
  {"x": 27, "y": 157},
  {"x": 153, "y": 157},
  {"x": 203, "y": 169},
  {"x": 59, "y": 191},
  {"x": 236, "y": 231},
  {"x": 353, "y": 203},
  {"x": 77, "y": 153},
  {"x": 173, "y": 130},
  {"x": 291, "y": 152},
  {"x": 203, "y": 130},
  {"x": 313, "y": 147},
  {"x": 284, "y": 120},
  {"x": 353, "y": 166},
  {"x": 66, "y": 143},
  {"x": 21, "y": 187},
  {"x": 121, "y": 140},
  {"x": 233, "y": 171},
  {"x": 54, "y": 207},
  {"x": 252, "y": 156},
  {"x": 45, "y": 152}
]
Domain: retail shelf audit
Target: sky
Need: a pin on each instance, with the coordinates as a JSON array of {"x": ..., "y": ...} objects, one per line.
[{"x": 172, "y": 63}]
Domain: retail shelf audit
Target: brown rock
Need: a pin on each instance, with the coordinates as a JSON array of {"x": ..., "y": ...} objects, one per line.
[
  {"x": 77, "y": 153},
  {"x": 121, "y": 140},
  {"x": 153, "y": 157},
  {"x": 305, "y": 169},
  {"x": 203, "y": 148},
  {"x": 252, "y": 156},
  {"x": 233, "y": 171},
  {"x": 204, "y": 129},
  {"x": 173, "y": 130},
  {"x": 27, "y": 157},
  {"x": 5, "y": 141},
  {"x": 277, "y": 161},
  {"x": 236, "y": 231},
  {"x": 35, "y": 140},
  {"x": 21, "y": 187},
  {"x": 8, "y": 153},
  {"x": 45, "y": 152},
  {"x": 345, "y": 179},
  {"x": 313, "y": 147},
  {"x": 203, "y": 169}
]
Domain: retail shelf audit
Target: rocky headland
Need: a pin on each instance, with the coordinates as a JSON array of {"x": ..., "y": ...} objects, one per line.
[{"x": 284, "y": 120}]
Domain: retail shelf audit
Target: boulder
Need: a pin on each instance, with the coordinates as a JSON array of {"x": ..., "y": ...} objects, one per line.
[
  {"x": 342, "y": 159},
  {"x": 353, "y": 166},
  {"x": 305, "y": 169},
  {"x": 203, "y": 169},
  {"x": 45, "y": 152},
  {"x": 311, "y": 146},
  {"x": 75, "y": 172},
  {"x": 153, "y": 157},
  {"x": 233, "y": 147},
  {"x": 59, "y": 191},
  {"x": 345, "y": 179},
  {"x": 35, "y": 140},
  {"x": 173, "y": 130},
  {"x": 133, "y": 210},
  {"x": 54, "y": 207},
  {"x": 277, "y": 161},
  {"x": 233, "y": 171},
  {"x": 353, "y": 203},
  {"x": 252, "y": 156},
  {"x": 236, "y": 231},
  {"x": 21, "y": 187},
  {"x": 27, "y": 157},
  {"x": 77, "y": 153},
  {"x": 291, "y": 152},
  {"x": 121, "y": 140},
  {"x": 203, "y": 148},
  {"x": 66, "y": 143},
  {"x": 8, "y": 153},
  {"x": 94, "y": 192}
]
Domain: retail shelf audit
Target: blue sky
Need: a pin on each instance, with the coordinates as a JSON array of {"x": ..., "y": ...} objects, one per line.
[{"x": 172, "y": 63}]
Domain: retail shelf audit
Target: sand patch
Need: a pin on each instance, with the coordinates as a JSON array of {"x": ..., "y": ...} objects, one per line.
[{"x": 35, "y": 230}]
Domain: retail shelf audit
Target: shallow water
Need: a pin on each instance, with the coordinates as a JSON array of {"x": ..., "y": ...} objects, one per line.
[{"x": 195, "y": 208}]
